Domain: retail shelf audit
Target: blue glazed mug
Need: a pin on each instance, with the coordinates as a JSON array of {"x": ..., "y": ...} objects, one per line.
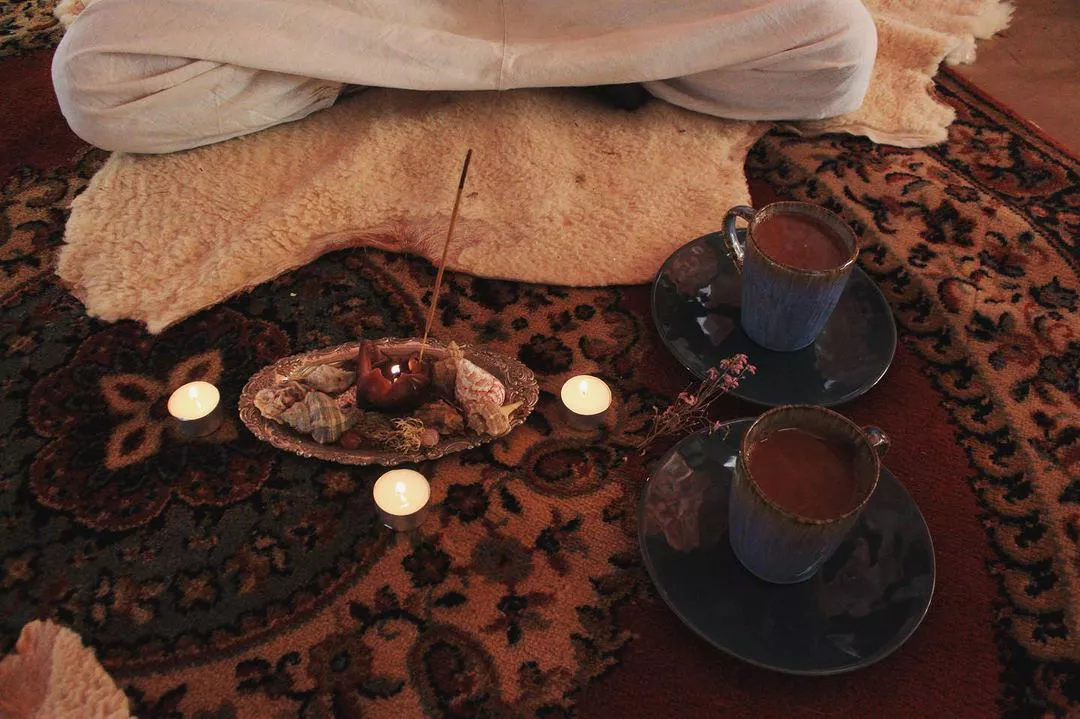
[
  {"x": 784, "y": 308},
  {"x": 775, "y": 543}
]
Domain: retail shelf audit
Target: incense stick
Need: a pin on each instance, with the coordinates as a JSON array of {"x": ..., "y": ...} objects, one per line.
[{"x": 445, "y": 249}]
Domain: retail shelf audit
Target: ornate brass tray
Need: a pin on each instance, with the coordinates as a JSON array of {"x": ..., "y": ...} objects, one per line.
[{"x": 520, "y": 384}]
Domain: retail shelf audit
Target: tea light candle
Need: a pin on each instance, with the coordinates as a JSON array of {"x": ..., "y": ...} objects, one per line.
[
  {"x": 196, "y": 409},
  {"x": 402, "y": 497},
  {"x": 586, "y": 399}
]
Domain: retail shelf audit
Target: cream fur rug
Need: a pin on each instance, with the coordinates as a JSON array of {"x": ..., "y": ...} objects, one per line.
[
  {"x": 51, "y": 675},
  {"x": 561, "y": 191}
]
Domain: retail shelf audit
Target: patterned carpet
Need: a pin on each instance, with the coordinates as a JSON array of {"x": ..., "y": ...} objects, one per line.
[
  {"x": 222, "y": 578},
  {"x": 28, "y": 25}
]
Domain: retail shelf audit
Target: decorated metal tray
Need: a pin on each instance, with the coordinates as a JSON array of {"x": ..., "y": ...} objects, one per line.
[{"x": 518, "y": 399}]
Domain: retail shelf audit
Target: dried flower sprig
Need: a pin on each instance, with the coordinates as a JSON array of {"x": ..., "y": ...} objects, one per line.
[
  {"x": 408, "y": 435},
  {"x": 689, "y": 412}
]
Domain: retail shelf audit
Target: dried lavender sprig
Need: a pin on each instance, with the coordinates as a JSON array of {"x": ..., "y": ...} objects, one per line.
[{"x": 689, "y": 412}]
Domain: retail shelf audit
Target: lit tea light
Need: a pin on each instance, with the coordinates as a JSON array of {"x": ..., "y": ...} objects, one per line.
[
  {"x": 395, "y": 372},
  {"x": 402, "y": 497},
  {"x": 586, "y": 399},
  {"x": 196, "y": 407}
]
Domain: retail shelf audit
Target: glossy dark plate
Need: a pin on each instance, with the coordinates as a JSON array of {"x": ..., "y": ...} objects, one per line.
[
  {"x": 864, "y": 603},
  {"x": 695, "y": 307}
]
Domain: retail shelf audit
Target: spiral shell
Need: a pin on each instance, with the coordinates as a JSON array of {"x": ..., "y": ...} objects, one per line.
[
  {"x": 324, "y": 378},
  {"x": 476, "y": 386},
  {"x": 488, "y": 418},
  {"x": 444, "y": 371},
  {"x": 319, "y": 416},
  {"x": 272, "y": 402}
]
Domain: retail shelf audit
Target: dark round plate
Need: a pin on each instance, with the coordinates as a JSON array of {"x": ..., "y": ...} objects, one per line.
[
  {"x": 865, "y": 602},
  {"x": 695, "y": 307}
]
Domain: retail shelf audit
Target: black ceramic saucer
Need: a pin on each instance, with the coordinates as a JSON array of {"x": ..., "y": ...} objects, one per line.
[
  {"x": 695, "y": 307},
  {"x": 866, "y": 600}
]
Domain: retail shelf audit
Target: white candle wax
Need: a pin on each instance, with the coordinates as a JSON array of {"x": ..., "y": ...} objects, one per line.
[
  {"x": 586, "y": 395},
  {"x": 194, "y": 400},
  {"x": 401, "y": 492}
]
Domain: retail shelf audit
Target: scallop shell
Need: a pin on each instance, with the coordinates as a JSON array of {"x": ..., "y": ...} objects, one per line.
[
  {"x": 274, "y": 401},
  {"x": 325, "y": 378},
  {"x": 475, "y": 386}
]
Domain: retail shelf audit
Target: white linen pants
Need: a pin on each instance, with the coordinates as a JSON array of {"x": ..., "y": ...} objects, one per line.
[{"x": 165, "y": 75}]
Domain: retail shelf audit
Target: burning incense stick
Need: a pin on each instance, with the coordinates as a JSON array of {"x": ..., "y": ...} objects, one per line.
[{"x": 446, "y": 248}]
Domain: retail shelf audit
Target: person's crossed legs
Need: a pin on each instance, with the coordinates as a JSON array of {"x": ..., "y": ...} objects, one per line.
[{"x": 137, "y": 76}]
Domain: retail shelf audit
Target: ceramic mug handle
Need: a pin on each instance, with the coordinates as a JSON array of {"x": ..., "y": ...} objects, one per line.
[
  {"x": 877, "y": 439},
  {"x": 735, "y": 246}
]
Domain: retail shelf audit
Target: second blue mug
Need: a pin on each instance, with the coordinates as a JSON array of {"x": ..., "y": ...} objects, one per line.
[{"x": 785, "y": 307}]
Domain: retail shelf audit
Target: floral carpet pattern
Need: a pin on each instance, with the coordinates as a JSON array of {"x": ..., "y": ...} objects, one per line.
[
  {"x": 196, "y": 550},
  {"x": 27, "y": 26},
  {"x": 223, "y": 578},
  {"x": 975, "y": 246}
]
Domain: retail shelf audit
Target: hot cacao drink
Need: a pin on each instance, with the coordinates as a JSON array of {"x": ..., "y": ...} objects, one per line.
[
  {"x": 805, "y": 474},
  {"x": 800, "y": 241},
  {"x": 794, "y": 265}
]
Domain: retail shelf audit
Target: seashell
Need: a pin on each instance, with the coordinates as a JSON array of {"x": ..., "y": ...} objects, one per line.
[
  {"x": 272, "y": 402},
  {"x": 444, "y": 371},
  {"x": 429, "y": 438},
  {"x": 324, "y": 378},
  {"x": 441, "y": 417},
  {"x": 347, "y": 401},
  {"x": 475, "y": 386},
  {"x": 319, "y": 416},
  {"x": 298, "y": 417},
  {"x": 490, "y": 418}
]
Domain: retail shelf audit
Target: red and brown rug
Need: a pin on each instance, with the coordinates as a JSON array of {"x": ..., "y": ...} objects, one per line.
[{"x": 223, "y": 578}]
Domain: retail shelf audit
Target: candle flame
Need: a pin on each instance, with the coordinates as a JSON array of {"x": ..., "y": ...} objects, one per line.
[
  {"x": 193, "y": 400},
  {"x": 583, "y": 386},
  {"x": 401, "y": 492},
  {"x": 395, "y": 371}
]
